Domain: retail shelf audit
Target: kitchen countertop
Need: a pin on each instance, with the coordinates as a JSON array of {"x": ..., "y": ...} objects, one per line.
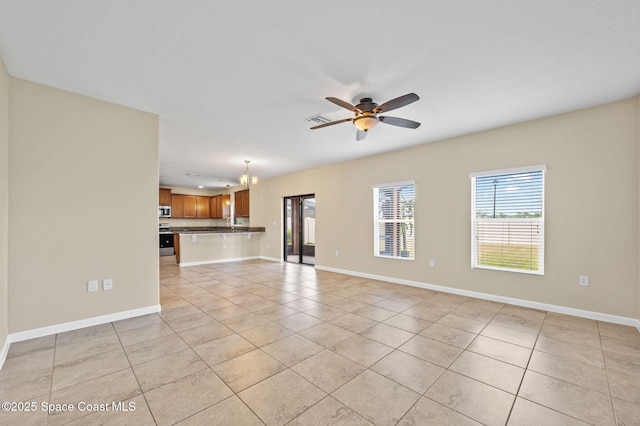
[{"x": 216, "y": 229}]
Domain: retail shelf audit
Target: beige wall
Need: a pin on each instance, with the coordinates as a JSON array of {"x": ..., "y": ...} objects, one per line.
[
  {"x": 4, "y": 203},
  {"x": 84, "y": 190},
  {"x": 591, "y": 209}
]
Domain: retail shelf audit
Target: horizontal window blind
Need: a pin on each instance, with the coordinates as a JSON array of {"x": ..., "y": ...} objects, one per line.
[
  {"x": 394, "y": 233},
  {"x": 508, "y": 220}
]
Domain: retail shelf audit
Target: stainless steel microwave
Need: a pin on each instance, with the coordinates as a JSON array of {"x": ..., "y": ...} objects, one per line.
[{"x": 164, "y": 211}]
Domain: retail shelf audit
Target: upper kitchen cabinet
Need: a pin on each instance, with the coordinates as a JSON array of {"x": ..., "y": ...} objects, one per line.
[
  {"x": 242, "y": 203},
  {"x": 226, "y": 206},
  {"x": 220, "y": 206},
  {"x": 183, "y": 206},
  {"x": 177, "y": 205},
  {"x": 190, "y": 206},
  {"x": 214, "y": 207},
  {"x": 165, "y": 197},
  {"x": 202, "y": 207}
]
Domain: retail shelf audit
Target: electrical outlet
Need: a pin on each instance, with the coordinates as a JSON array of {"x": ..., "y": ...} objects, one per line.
[
  {"x": 92, "y": 285},
  {"x": 337, "y": 253},
  {"x": 583, "y": 280},
  {"x": 107, "y": 284},
  {"x": 432, "y": 263}
]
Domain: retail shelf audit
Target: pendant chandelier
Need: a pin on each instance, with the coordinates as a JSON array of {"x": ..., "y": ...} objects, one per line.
[{"x": 246, "y": 179}]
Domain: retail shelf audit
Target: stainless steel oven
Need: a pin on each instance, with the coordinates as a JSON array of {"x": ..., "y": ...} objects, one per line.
[{"x": 166, "y": 240}]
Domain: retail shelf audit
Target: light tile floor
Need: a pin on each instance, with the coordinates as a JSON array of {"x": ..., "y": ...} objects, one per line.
[{"x": 258, "y": 342}]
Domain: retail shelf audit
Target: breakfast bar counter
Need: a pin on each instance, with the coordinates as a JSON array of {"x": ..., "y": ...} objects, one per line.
[{"x": 201, "y": 246}]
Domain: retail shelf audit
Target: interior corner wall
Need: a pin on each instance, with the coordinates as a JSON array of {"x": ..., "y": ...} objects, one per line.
[
  {"x": 591, "y": 218},
  {"x": 638, "y": 153},
  {"x": 83, "y": 185},
  {"x": 4, "y": 206}
]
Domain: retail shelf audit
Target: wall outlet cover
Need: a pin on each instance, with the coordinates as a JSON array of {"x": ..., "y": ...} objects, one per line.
[{"x": 107, "y": 284}]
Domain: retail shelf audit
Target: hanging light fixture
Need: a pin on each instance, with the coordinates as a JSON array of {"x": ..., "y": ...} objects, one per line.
[
  {"x": 365, "y": 121},
  {"x": 246, "y": 179}
]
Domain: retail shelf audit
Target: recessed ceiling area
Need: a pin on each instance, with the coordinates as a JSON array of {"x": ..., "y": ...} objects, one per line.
[{"x": 235, "y": 81}]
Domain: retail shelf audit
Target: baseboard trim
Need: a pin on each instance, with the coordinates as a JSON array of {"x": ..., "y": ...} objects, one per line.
[
  {"x": 209, "y": 262},
  {"x": 5, "y": 351},
  {"x": 599, "y": 316},
  {"x": 272, "y": 259},
  {"x": 74, "y": 325}
]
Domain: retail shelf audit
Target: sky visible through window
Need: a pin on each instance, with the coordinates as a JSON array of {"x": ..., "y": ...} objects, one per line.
[{"x": 517, "y": 195}]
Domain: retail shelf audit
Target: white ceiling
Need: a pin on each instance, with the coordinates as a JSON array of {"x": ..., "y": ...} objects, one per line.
[{"x": 236, "y": 80}]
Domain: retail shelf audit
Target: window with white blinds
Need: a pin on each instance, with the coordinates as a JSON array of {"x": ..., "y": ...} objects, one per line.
[
  {"x": 507, "y": 220},
  {"x": 393, "y": 215}
]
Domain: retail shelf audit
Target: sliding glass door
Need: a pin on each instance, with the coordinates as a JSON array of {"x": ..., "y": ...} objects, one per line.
[{"x": 300, "y": 229}]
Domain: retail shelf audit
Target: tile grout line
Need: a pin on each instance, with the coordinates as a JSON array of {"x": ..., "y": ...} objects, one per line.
[
  {"x": 234, "y": 393},
  {"x": 134, "y": 373},
  {"x": 526, "y": 368},
  {"x": 606, "y": 372},
  {"x": 546, "y": 375}
]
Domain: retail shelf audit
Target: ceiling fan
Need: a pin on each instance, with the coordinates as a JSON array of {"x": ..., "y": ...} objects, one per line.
[{"x": 367, "y": 114}]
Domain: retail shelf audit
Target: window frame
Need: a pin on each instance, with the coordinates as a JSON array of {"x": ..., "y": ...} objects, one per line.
[
  {"x": 540, "y": 220},
  {"x": 377, "y": 221}
]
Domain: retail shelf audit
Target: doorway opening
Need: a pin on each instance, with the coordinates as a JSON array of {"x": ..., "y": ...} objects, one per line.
[{"x": 300, "y": 229}]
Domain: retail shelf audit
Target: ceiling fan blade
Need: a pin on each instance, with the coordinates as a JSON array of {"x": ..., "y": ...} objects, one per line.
[
  {"x": 319, "y": 126},
  {"x": 401, "y": 122},
  {"x": 343, "y": 104},
  {"x": 397, "y": 103},
  {"x": 360, "y": 135}
]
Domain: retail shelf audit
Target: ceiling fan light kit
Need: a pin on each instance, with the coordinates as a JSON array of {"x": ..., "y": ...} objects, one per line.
[
  {"x": 366, "y": 114},
  {"x": 365, "y": 122}
]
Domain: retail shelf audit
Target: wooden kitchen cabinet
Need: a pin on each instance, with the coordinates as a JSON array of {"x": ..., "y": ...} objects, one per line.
[
  {"x": 183, "y": 206},
  {"x": 164, "y": 198},
  {"x": 176, "y": 246},
  {"x": 242, "y": 203},
  {"x": 193, "y": 207},
  {"x": 190, "y": 206},
  {"x": 220, "y": 206},
  {"x": 177, "y": 205},
  {"x": 225, "y": 206},
  {"x": 215, "y": 207},
  {"x": 202, "y": 207}
]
